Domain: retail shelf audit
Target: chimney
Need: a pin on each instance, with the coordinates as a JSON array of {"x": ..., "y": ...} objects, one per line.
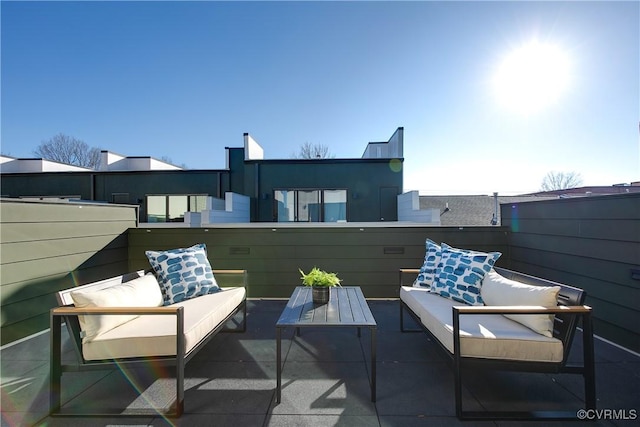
[{"x": 494, "y": 220}]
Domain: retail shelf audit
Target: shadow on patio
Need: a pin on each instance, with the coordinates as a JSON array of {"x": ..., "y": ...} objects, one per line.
[{"x": 325, "y": 382}]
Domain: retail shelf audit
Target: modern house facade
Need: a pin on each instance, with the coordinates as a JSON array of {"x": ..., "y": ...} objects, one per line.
[{"x": 288, "y": 190}]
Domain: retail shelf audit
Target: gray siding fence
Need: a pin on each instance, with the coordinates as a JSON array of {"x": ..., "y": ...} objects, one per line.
[
  {"x": 367, "y": 255},
  {"x": 48, "y": 246},
  {"x": 589, "y": 242}
]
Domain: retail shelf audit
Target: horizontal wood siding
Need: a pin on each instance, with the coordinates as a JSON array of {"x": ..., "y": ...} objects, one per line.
[
  {"x": 369, "y": 257},
  {"x": 46, "y": 247},
  {"x": 589, "y": 242}
]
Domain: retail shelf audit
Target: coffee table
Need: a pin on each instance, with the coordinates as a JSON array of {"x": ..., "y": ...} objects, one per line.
[{"x": 347, "y": 307}]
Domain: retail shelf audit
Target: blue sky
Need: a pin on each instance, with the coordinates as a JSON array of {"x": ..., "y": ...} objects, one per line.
[{"x": 186, "y": 79}]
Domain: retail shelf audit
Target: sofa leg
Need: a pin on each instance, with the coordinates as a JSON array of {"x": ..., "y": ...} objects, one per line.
[
  {"x": 589, "y": 362},
  {"x": 55, "y": 374},
  {"x": 402, "y": 311},
  {"x": 180, "y": 355},
  {"x": 244, "y": 317},
  {"x": 457, "y": 363}
]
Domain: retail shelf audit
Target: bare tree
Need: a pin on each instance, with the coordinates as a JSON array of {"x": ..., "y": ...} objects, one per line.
[
  {"x": 312, "y": 151},
  {"x": 561, "y": 181},
  {"x": 67, "y": 149}
]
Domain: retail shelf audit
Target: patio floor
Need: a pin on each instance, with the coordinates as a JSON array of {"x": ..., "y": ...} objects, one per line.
[{"x": 231, "y": 382}]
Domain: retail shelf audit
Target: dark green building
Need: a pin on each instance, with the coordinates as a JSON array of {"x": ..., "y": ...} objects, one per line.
[{"x": 291, "y": 190}]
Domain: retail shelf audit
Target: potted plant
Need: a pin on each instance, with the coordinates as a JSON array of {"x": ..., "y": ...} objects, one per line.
[{"x": 321, "y": 282}]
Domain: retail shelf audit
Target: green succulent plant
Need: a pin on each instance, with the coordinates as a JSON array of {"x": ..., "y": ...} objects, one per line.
[{"x": 317, "y": 277}]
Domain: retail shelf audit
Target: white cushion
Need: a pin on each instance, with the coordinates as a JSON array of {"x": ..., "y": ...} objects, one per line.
[
  {"x": 415, "y": 297},
  {"x": 141, "y": 292},
  {"x": 498, "y": 290},
  {"x": 489, "y": 336},
  {"x": 155, "y": 335}
]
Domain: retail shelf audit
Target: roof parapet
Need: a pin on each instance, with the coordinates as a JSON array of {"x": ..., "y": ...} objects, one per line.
[
  {"x": 110, "y": 161},
  {"x": 252, "y": 150},
  {"x": 392, "y": 149}
]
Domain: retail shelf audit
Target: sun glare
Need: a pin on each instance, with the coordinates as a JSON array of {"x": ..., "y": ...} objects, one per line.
[{"x": 532, "y": 77}]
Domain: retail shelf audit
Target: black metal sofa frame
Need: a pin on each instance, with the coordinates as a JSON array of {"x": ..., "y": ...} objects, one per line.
[
  {"x": 69, "y": 314},
  {"x": 569, "y": 310}
]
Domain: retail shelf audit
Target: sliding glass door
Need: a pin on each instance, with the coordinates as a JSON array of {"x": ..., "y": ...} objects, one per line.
[{"x": 310, "y": 205}]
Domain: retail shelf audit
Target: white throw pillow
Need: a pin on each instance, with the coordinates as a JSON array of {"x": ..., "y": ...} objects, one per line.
[
  {"x": 498, "y": 290},
  {"x": 141, "y": 292}
]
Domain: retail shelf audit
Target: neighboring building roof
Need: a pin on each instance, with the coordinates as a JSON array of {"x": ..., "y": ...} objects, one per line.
[
  {"x": 110, "y": 161},
  {"x": 11, "y": 164},
  {"x": 471, "y": 210},
  {"x": 480, "y": 209},
  {"x": 600, "y": 190}
]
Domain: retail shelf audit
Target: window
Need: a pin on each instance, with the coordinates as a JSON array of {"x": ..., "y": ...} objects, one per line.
[
  {"x": 177, "y": 206},
  {"x": 285, "y": 205},
  {"x": 197, "y": 203},
  {"x": 156, "y": 209},
  {"x": 171, "y": 208},
  {"x": 310, "y": 205},
  {"x": 335, "y": 205}
]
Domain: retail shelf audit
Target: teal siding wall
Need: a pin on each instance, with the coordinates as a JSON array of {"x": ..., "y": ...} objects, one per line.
[
  {"x": 142, "y": 183},
  {"x": 362, "y": 178},
  {"x": 46, "y": 247},
  {"x": 589, "y": 242},
  {"x": 132, "y": 187},
  {"x": 48, "y": 184}
]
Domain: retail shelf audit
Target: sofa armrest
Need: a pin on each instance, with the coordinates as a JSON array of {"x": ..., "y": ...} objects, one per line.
[
  {"x": 75, "y": 311},
  {"x": 519, "y": 309},
  {"x": 406, "y": 273}
]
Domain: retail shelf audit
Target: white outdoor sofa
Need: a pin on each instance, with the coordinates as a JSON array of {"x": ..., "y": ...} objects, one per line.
[
  {"x": 482, "y": 337},
  {"x": 145, "y": 332}
]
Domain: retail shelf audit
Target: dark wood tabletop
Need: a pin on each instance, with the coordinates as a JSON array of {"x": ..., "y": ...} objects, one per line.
[{"x": 346, "y": 307}]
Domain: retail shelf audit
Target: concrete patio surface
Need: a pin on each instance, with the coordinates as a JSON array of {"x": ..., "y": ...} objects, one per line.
[{"x": 326, "y": 382}]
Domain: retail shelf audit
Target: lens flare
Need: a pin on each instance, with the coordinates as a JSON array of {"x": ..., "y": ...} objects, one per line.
[{"x": 395, "y": 165}]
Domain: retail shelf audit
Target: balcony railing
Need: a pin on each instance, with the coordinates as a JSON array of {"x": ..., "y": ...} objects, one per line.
[{"x": 591, "y": 242}]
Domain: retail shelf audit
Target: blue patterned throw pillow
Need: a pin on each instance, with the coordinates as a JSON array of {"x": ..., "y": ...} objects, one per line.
[
  {"x": 183, "y": 273},
  {"x": 460, "y": 272},
  {"x": 431, "y": 261}
]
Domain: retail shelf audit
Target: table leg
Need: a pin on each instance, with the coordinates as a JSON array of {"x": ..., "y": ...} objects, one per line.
[
  {"x": 278, "y": 363},
  {"x": 373, "y": 364}
]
